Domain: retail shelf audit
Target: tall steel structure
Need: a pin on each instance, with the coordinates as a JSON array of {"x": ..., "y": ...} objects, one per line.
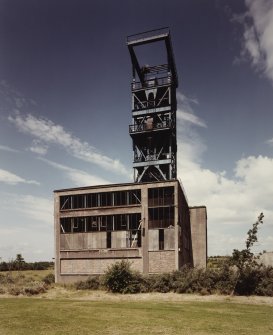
[{"x": 154, "y": 107}]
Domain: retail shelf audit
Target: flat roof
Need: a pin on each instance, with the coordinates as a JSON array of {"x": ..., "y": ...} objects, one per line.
[{"x": 114, "y": 185}]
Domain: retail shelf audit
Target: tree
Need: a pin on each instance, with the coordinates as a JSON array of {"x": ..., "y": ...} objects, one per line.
[
  {"x": 248, "y": 269},
  {"x": 245, "y": 257},
  {"x": 19, "y": 262}
]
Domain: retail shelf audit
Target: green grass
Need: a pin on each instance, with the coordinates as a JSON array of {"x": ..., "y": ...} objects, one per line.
[
  {"x": 33, "y": 274},
  {"x": 58, "y": 316}
]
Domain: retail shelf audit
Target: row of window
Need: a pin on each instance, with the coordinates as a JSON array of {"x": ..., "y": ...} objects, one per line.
[
  {"x": 84, "y": 224},
  {"x": 103, "y": 199},
  {"x": 132, "y": 239},
  {"x": 161, "y": 217},
  {"x": 161, "y": 196}
]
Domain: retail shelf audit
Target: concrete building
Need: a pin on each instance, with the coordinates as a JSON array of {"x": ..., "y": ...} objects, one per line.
[{"x": 148, "y": 222}]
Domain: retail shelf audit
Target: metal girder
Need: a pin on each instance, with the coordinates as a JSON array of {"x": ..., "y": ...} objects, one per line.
[{"x": 154, "y": 107}]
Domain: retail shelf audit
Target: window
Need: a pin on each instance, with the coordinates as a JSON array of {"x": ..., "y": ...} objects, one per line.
[
  {"x": 130, "y": 224},
  {"x": 103, "y": 199},
  {"x": 161, "y": 239},
  {"x": 161, "y": 217},
  {"x": 65, "y": 202},
  {"x": 161, "y": 196},
  {"x": 78, "y": 224},
  {"x": 65, "y": 225},
  {"x": 109, "y": 240}
]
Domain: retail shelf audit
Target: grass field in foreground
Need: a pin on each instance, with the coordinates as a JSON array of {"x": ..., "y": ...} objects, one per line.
[{"x": 55, "y": 316}]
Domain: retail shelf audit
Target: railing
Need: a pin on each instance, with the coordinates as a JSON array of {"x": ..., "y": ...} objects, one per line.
[
  {"x": 135, "y": 128},
  {"x": 151, "y": 83},
  {"x": 139, "y": 105},
  {"x": 148, "y": 34},
  {"x": 154, "y": 157}
]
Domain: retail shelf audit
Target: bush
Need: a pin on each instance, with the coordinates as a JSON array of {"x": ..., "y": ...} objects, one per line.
[
  {"x": 265, "y": 285},
  {"x": 49, "y": 279},
  {"x": 119, "y": 277},
  {"x": 14, "y": 290},
  {"x": 92, "y": 283},
  {"x": 226, "y": 279},
  {"x": 34, "y": 288},
  {"x": 162, "y": 283}
]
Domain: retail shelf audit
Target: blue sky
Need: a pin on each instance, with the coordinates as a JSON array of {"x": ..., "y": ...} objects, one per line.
[{"x": 65, "y": 109}]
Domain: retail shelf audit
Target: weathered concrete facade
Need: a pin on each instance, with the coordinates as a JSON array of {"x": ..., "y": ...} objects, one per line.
[
  {"x": 147, "y": 224},
  {"x": 198, "y": 218}
]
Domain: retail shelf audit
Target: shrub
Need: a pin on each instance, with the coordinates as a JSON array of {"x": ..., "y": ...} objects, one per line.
[
  {"x": 92, "y": 283},
  {"x": 49, "y": 279},
  {"x": 14, "y": 290},
  {"x": 162, "y": 283},
  {"x": 226, "y": 279},
  {"x": 265, "y": 285},
  {"x": 34, "y": 288},
  {"x": 119, "y": 277}
]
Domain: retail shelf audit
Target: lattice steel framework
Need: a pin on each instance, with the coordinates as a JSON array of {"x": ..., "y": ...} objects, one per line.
[{"x": 154, "y": 107}]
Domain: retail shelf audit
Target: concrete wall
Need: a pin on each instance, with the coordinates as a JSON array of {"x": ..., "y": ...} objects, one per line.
[
  {"x": 161, "y": 261},
  {"x": 93, "y": 266},
  {"x": 83, "y": 241},
  {"x": 198, "y": 219}
]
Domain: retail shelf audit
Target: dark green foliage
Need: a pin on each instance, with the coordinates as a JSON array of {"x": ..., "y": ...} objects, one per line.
[
  {"x": 219, "y": 280},
  {"x": 249, "y": 272},
  {"x": 245, "y": 258},
  {"x": 265, "y": 284},
  {"x": 20, "y": 264},
  {"x": 162, "y": 283},
  {"x": 92, "y": 283},
  {"x": 49, "y": 279},
  {"x": 119, "y": 277}
]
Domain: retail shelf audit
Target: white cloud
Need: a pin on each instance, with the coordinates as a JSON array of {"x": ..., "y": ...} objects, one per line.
[
  {"x": 49, "y": 132},
  {"x": 12, "y": 179},
  {"x": 6, "y": 148},
  {"x": 36, "y": 208},
  {"x": 78, "y": 177},
  {"x": 25, "y": 207},
  {"x": 258, "y": 32},
  {"x": 233, "y": 203},
  {"x": 26, "y": 226},
  {"x": 191, "y": 118},
  {"x": 185, "y": 111},
  {"x": 38, "y": 147}
]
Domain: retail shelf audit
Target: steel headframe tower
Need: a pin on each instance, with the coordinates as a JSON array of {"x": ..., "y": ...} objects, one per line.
[{"x": 154, "y": 107}]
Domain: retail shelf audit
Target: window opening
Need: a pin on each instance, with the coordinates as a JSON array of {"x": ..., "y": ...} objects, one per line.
[
  {"x": 137, "y": 198},
  {"x": 65, "y": 202},
  {"x": 129, "y": 223},
  {"x": 108, "y": 240},
  {"x": 161, "y": 239}
]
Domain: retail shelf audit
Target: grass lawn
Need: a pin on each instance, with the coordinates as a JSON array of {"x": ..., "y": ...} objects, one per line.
[{"x": 59, "y": 316}]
